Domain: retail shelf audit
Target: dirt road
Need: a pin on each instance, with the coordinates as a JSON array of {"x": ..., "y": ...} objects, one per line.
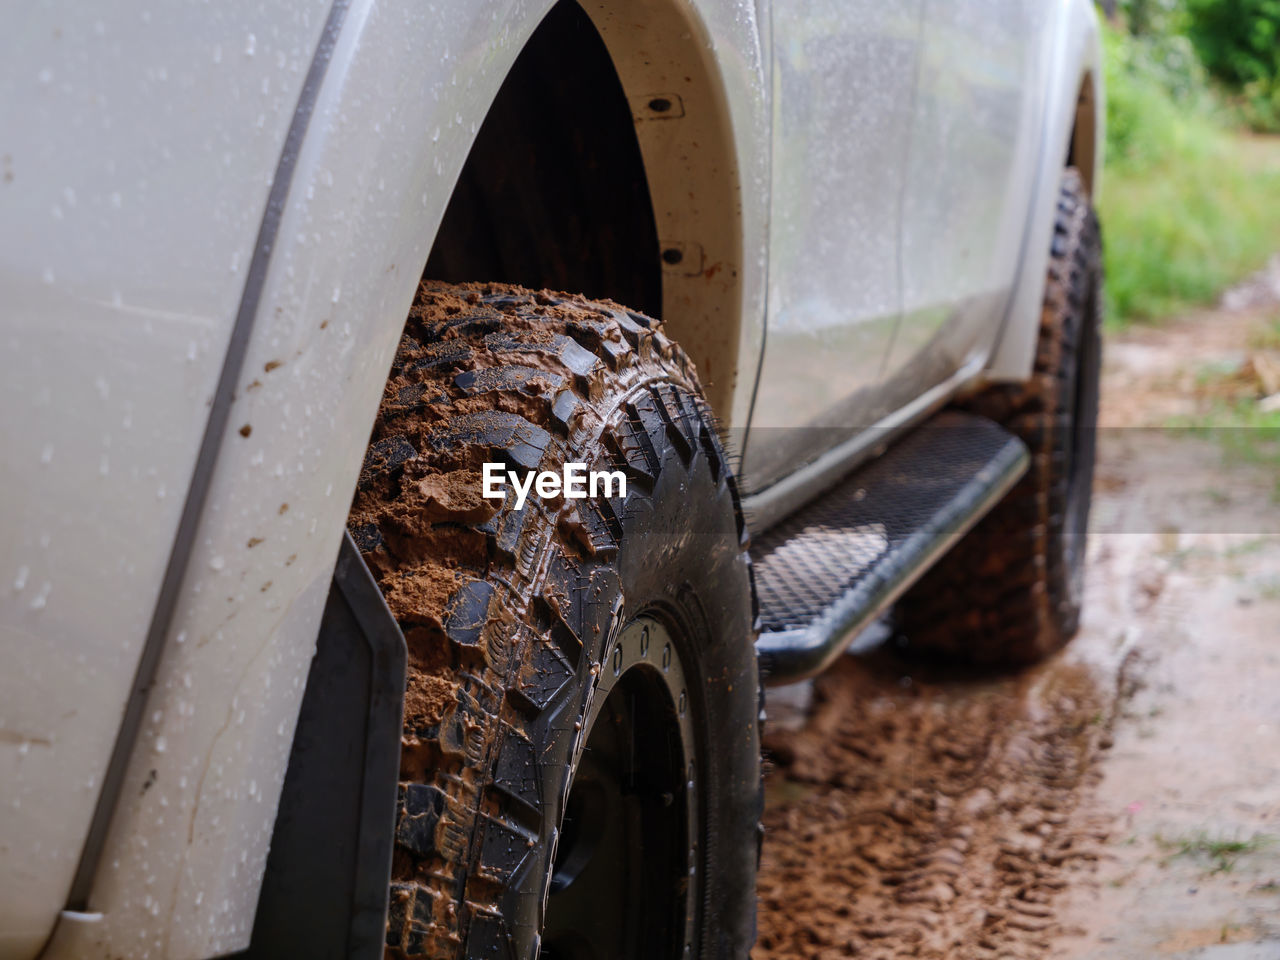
[{"x": 1119, "y": 801}]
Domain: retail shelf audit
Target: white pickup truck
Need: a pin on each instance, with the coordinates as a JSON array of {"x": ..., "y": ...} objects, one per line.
[{"x": 277, "y": 678}]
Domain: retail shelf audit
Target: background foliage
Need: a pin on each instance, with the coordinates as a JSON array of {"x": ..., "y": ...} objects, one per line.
[
  {"x": 1191, "y": 197},
  {"x": 1239, "y": 42}
]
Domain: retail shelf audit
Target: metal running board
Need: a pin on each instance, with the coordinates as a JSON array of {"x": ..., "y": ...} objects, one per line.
[{"x": 828, "y": 571}]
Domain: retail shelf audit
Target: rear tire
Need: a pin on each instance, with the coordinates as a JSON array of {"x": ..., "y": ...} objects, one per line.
[
  {"x": 580, "y": 769},
  {"x": 1010, "y": 591}
]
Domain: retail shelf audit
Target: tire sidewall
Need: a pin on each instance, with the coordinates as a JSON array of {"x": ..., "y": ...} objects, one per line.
[
  {"x": 682, "y": 560},
  {"x": 702, "y": 589}
]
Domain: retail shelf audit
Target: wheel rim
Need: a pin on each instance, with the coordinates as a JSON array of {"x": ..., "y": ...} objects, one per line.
[{"x": 626, "y": 879}]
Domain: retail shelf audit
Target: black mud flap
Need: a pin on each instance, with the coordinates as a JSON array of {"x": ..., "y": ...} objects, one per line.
[{"x": 324, "y": 894}]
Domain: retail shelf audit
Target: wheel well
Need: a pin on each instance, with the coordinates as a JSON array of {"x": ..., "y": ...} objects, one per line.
[
  {"x": 1082, "y": 153},
  {"x": 553, "y": 193},
  {"x": 606, "y": 167}
]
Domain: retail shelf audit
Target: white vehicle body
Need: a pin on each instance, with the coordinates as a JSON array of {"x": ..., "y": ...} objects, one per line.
[{"x": 214, "y": 221}]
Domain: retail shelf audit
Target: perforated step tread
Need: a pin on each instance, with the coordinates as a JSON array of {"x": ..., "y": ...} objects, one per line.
[{"x": 828, "y": 570}]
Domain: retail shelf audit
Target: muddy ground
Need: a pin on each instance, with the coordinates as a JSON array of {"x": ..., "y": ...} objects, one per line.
[{"x": 1119, "y": 801}]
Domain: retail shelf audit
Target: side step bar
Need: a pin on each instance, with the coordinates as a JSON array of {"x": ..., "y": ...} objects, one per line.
[{"x": 828, "y": 571}]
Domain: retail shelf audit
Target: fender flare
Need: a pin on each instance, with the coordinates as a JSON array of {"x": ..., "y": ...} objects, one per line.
[{"x": 1073, "y": 127}]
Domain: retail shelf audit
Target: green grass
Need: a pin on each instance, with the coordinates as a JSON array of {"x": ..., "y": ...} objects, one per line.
[
  {"x": 1188, "y": 205},
  {"x": 1221, "y": 854},
  {"x": 1230, "y": 413},
  {"x": 1246, "y": 548},
  {"x": 1244, "y": 433},
  {"x": 1268, "y": 338}
]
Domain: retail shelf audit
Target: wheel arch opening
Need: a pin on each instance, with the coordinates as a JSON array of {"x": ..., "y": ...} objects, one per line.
[
  {"x": 606, "y": 167},
  {"x": 1083, "y": 150}
]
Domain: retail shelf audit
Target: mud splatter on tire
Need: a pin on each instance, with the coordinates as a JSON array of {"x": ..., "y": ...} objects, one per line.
[
  {"x": 1010, "y": 591},
  {"x": 509, "y": 612}
]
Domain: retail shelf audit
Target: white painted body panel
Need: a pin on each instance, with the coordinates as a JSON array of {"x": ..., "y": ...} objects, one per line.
[
  {"x": 117, "y": 311},
  {"x": 974, "y": 149},
  {"x": 843, "y": 78},
  {"x": 915, "y": 175},
  {"x": 1073, "y": 54},
  {"x": 137, "y": 147}
]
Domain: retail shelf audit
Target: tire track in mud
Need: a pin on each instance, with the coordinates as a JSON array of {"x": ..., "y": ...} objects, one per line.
[{"x": 920, "y": 817}]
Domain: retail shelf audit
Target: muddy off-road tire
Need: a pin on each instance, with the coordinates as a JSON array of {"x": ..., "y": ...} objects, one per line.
[
  {"x": 1010, "y": 591},
  {"x": 580, "y": 766}
]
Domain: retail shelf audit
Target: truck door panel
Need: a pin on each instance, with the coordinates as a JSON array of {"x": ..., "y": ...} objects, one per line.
[
  {"x": 973, "y": 147},
  {"x": 842, "y": 85}
]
